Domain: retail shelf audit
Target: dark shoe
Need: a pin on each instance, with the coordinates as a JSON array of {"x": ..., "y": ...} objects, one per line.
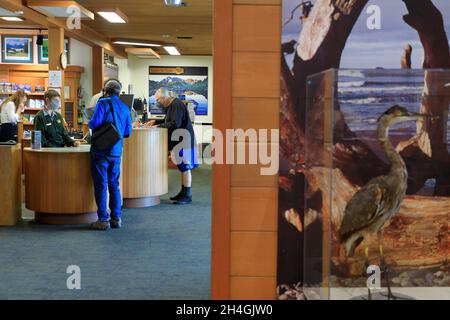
[
  {"x": 179, "y": 195},
  {"x": 184, "y": 200},
  {"x": 115, "y": 223},
  {"x": 100, "y": 225}
]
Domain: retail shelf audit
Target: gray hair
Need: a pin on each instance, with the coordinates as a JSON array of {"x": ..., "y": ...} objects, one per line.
[
  {"x": 164, "y": 92},
  {"x": 113, "y": 87}
]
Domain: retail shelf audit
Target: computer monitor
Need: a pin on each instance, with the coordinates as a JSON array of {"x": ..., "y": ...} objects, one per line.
[
  {"x": 138, "y": 106},
  {"x": 128, "y": 99}
]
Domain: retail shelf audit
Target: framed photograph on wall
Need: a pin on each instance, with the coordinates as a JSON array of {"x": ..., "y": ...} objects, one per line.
[
  {"x": 190, "y": 84},
  {"x": 17, "y": 49},
  {"x": 43, "y": 51}
]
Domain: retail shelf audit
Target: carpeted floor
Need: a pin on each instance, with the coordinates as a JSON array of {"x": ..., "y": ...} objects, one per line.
[{"x": 161, "y": 253}]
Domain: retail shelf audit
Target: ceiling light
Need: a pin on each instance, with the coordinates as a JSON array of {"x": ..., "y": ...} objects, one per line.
[
  {"x": 59, "y": 9},
  {"x": 173, "y": 51},
  {"x": 147, "y": 57},
  {"x": 113, "y": 15},
  {"x": 142, "y": 52},
  {"x": 140, "y": 44},
  {"x": 13, "y": 19},
  {"x": 174, "y": 3}
]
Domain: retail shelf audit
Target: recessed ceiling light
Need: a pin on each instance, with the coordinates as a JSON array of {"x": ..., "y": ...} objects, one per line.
[
  {"x": 113, "y": 15},
  {"x": 146, "y": 57},
  {"x": 140, "y": 44},
  {"x": 142, "y": 52},
  {"x": 13, "y": 19},
  {"x": 172, "y": 50},
  {"x": 58, "y": 9},
  {"x": 174, "y": 3}
]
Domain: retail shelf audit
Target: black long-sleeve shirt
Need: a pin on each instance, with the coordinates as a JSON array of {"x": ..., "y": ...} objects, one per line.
[{"x": 177, "y": 117}]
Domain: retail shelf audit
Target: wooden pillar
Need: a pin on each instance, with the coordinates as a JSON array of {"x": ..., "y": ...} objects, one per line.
[
  {"x": 98, "y": 69},
  {"x": 55, "y": 49},
  {"x": 221, "y": 174}
]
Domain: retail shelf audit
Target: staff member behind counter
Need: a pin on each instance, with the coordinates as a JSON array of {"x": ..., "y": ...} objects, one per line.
[
  {"x": 51, "y": 124},
  {"x": 11, "y": 109},
  {"x": 177, "y": 117}
]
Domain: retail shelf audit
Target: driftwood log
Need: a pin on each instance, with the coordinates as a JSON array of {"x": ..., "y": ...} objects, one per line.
[
  {"x": 426, "y": 154},
  {"x": 417, "y": 236}
]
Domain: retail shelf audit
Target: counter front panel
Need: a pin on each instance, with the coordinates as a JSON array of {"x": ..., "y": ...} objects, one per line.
[
  {"x": 59, "y": 185},
  {"x": 145, "y": 171}
]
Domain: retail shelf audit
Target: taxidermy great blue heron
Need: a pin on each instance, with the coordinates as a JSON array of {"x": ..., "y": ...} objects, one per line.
[{"x": 380, "y": 199}]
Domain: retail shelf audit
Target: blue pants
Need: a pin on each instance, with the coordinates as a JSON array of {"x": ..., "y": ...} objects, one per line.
[{"x": 106, "y": 173}]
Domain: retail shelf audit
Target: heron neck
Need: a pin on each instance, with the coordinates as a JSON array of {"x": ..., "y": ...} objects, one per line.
[{"x": 396, "y": 161}]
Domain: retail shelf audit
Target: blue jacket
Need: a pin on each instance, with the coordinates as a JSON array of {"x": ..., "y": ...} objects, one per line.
[{"x": 123, "y": 123}]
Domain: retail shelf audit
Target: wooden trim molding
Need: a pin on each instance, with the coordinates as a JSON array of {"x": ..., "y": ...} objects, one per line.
[
  {"x": 98, "y": 68},
  {"x": 221, "y": 174}
]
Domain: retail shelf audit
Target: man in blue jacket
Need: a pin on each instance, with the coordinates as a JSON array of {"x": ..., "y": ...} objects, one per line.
[{"x": 105, "y": 164}]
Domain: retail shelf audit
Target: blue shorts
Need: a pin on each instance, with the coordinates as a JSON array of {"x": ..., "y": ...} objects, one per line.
[{"x": 188, "y": 159}]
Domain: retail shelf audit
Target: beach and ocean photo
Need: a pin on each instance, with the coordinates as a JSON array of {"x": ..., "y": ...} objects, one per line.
[{"x": 364, "y": 124}]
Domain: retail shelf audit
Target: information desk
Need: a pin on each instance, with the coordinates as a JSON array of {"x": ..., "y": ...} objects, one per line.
[
  {"x": 11, "y": 184},
  {"x": 58, "y": 185},
  {"x": 145, "y": 172}
]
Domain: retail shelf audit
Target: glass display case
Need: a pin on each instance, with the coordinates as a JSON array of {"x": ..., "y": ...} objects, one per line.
[{"x": 377, "y": 194}]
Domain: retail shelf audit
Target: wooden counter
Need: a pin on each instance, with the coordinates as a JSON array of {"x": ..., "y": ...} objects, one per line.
[
  {"x": 58, "y": 185},
  {"x": 145, "y": 173},
  {"x": 11, "y": 184}
]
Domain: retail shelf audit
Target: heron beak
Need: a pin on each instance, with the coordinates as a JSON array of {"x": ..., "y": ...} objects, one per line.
[{"x": 419, "y": 116}]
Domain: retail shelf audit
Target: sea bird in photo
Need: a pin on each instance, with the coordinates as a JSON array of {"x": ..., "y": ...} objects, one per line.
[{"x": 380, "y": 199}]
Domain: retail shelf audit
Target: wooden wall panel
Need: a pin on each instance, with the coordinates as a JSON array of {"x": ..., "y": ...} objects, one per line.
[
  {"x": 253, "y": 288},
  {"x": 253, "y": 253},
  {"x": 245, "y": 228},
  {"x": 256, "y": 113},
  {"x": 262, "y": 28},
  {"x": 11, "y": 181},
  {"x": 254, "y": 197},
  {"x": 252, "y": 209},
  {"x": 256, "y": 74}
]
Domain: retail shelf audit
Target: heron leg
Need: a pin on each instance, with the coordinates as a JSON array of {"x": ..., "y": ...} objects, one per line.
[
  {"x": 384, "y": 269},
  {"x": 366, "y": 265}
]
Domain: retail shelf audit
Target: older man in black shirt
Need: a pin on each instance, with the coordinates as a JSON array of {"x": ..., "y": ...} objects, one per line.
[{"x": 183, "y": 153}]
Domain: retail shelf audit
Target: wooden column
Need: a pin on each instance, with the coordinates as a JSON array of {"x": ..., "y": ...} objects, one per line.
[
  {"x": 221, "y": 173},
  {"x": 55, "y": 49},
  {"x": 98, "y": 69},
  {"x": 251, "y": 213}
]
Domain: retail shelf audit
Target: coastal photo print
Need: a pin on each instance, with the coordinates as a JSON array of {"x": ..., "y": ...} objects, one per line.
[
  {"x": 189, "y": 84},
  {"x": 351, "y": 70},
  {"x": 17, "y": 49}
]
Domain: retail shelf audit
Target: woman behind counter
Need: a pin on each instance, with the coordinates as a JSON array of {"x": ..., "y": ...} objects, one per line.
[
  {"x": 11, "y": 109},
  {"x": 51, "y": 123}
]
